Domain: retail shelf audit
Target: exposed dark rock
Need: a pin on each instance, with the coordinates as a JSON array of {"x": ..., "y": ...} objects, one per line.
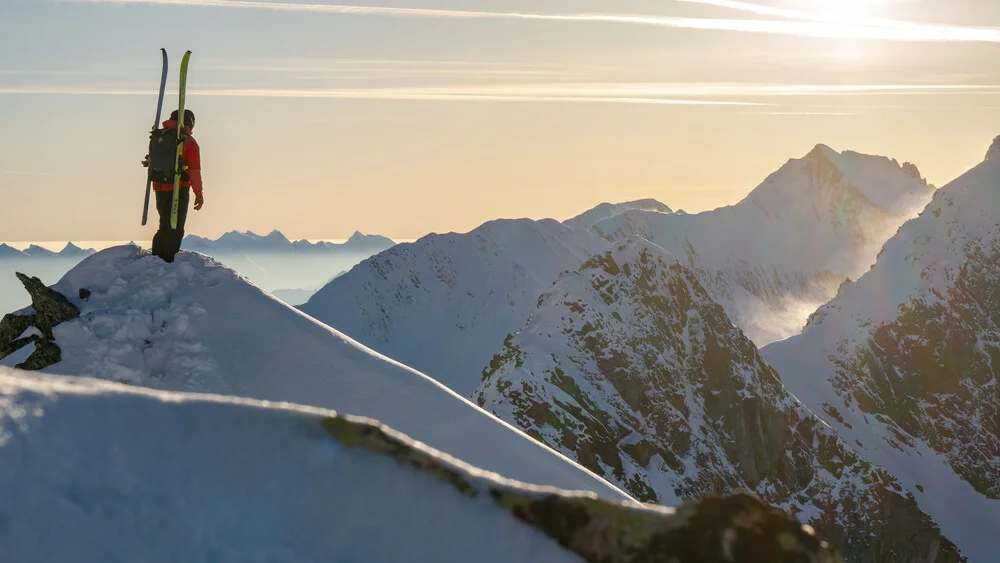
[
  {"x": 11, "y": 327},
  {"x": 50, "y": 309},
  {"x": 84, "y": 293},
  {"x": 933, "y": 373},
  {"x": 737, "y": 528},
  {"x": 651, "y": 386},
  {"x": 46, "y": 353}
]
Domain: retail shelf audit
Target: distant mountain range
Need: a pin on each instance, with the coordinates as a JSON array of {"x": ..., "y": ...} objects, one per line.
[
  {"x": 34, "y": 251},
  {"x": 235, "y": 242}
]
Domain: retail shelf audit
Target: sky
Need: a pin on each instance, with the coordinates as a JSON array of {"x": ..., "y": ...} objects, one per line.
[{"x": 405, "y": 117}]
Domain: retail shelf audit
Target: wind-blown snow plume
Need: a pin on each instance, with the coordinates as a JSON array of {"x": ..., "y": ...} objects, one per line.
[{"x": 792, "y": 241}]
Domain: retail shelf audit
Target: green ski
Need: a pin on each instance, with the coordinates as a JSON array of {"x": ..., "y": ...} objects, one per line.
[{"x": 180, "y": 141}]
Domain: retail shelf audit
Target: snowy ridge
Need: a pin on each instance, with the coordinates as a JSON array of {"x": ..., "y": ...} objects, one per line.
[
  {"x": 443, "y": 303},
  {"x": 630, "y": 367},
  {"x": 901, "y": 362},
  {"x": 196, "y": 325},
  {"x": 591, "y": 217},
  {"x": 771, "y": 259}
]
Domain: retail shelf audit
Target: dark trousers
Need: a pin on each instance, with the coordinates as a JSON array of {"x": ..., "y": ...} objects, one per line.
[{"x": 167, "y": 241}]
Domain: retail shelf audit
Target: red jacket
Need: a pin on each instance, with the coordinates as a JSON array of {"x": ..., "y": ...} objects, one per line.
[{"x": 192, "y": 157}]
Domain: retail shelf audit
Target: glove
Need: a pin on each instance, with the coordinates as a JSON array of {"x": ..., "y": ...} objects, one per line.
[{"x": 199, "y": 200}]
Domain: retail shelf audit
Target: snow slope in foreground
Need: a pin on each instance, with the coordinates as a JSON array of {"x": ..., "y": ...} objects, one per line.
[
  {"x": 93, "y": 471},
  {"x": 227, "y": 479},
  {"x": 196, "y": 325}
]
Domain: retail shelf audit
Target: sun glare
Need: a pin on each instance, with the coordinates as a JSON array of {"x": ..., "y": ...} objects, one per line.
[{"x": 843, "y": 10}]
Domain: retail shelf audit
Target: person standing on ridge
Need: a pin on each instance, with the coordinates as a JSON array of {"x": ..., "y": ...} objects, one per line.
[{"x": 167, "y": 241}]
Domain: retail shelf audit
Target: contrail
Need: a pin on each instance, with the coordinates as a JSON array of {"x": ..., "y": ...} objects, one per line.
[{"x": 812, "y": 26}]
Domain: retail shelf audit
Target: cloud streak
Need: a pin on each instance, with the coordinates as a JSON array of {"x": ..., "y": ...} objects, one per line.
[
  {"x": 645, "y": 93},
  {"x": 375, "y": 94},
  {"x": 805, "y": 24}
]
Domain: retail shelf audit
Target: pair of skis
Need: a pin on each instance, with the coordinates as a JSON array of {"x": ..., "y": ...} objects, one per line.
[{"x": 180, "y": 136}]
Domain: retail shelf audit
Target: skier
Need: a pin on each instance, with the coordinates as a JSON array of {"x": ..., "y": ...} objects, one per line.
[{"x": 167, "y": 241}]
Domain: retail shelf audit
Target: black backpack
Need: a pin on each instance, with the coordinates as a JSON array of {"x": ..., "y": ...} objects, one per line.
[{"x": 162, "y": 152}]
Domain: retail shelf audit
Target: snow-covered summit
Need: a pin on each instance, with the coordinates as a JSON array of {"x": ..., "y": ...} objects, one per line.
[
  {"x": 903, "y": 362},
  {"x": 773, "y": 257},
  {"x": 195, "y": 325},
  {"x": 883, "y": 182},
  {"x": 443, "y": 303}
]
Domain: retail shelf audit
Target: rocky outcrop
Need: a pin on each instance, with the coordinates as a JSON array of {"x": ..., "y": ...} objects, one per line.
[
  {"x": 737, "y": 528},
  {"x": 933, "y": 373},
  {"x": 629, "y": 367},
  {"x": 50, "y": 308},
  {"x": 994, "y": 150}
]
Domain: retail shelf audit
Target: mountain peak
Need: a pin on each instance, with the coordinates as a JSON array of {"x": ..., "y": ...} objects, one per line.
[
  {"x": 35, "y": 250},
  {"x": 821, "y": 150},
  {"x": 8, "y": 251},
  {"x": 994, "y": 151},
  {"x": 855, "y": 179},
  {"x": 277, "y": 236}
]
